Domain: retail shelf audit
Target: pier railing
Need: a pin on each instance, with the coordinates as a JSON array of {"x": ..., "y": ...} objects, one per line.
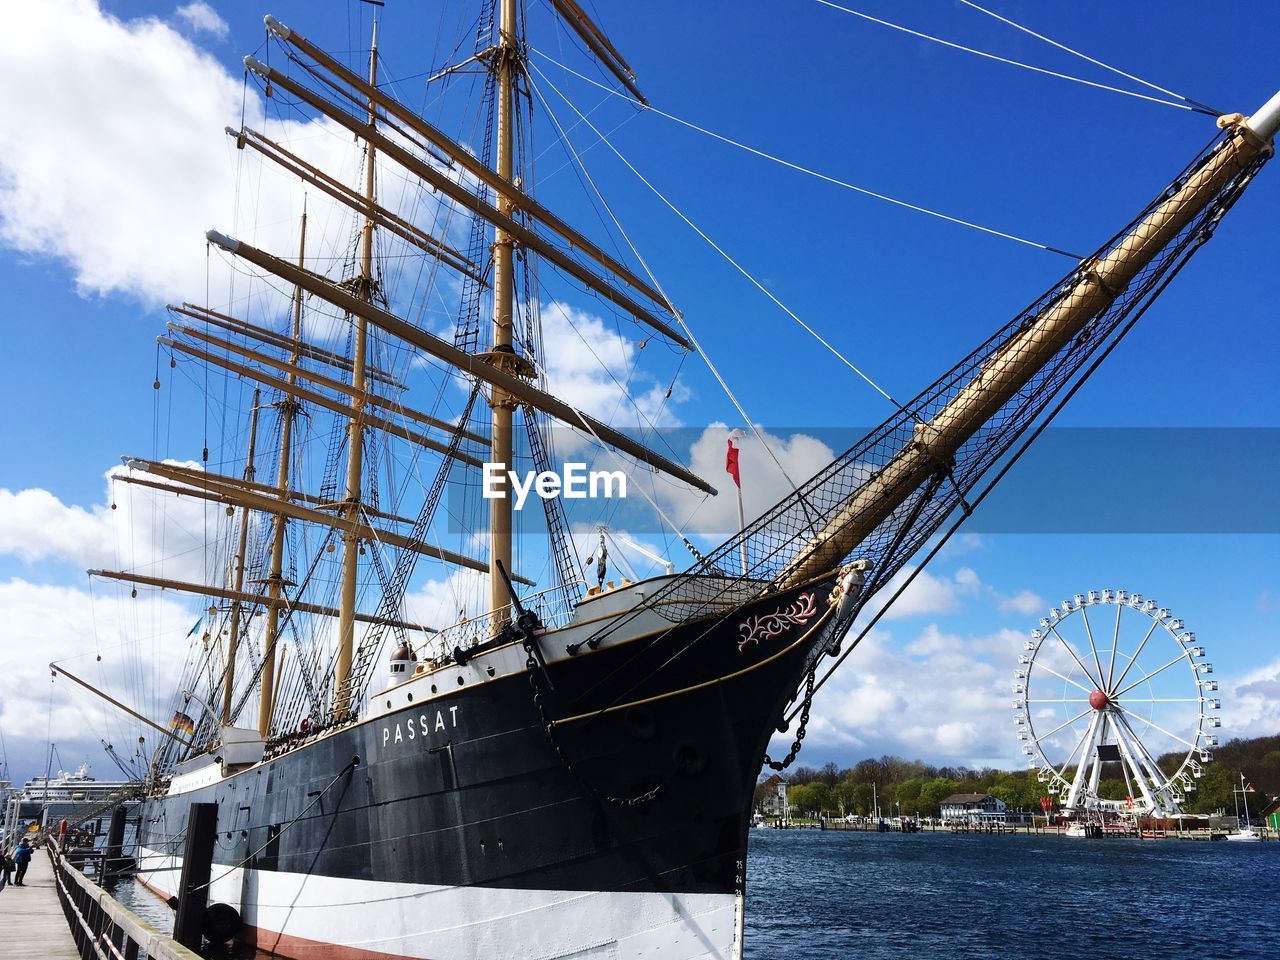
[{"x": 101, "y": 927}]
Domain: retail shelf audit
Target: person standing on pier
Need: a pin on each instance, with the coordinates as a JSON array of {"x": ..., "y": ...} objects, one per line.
[
  {"x": 22, "y": 857},
  {"x": 6, "y": 868}
]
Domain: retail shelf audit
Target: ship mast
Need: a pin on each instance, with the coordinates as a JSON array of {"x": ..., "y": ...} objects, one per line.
[
  {"x": 521, "y": 225},
  {"x": 275, "y": 577},
  {"x": 393, "y": 133},
  {"x": 237, "y": 577},
  {"x": 502, "y": 354},
  {"x": 355, "y": 426}
]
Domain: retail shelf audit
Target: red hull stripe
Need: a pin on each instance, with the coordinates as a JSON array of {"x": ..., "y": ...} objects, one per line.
[
  {"x": 153, "y": 888},
  {"x": 300, "y": 948},
  {"x": 295, "y": 948}
]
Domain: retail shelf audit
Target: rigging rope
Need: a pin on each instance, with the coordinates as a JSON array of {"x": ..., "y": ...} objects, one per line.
[
  {"x": 586, "y": 424},
  {"x": 706, "y": 358},
  {"x": 896, "y": 536},
  {"x": 732, "y": 262},
  {"x": 1084, "y": 56},
  {"x": 809, "y": 171},
  {"x": 1019, "y": 63},
  {"x": 1008, "y": 465}
]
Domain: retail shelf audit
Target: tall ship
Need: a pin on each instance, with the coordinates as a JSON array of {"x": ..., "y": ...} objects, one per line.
[{"x": 567, "y": 771}]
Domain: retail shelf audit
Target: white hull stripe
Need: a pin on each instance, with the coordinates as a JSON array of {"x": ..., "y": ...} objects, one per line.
[{"x": 316, "y": 917}]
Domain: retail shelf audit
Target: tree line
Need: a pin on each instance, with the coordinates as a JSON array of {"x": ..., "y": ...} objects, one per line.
[{"x": 917, "y": 789}]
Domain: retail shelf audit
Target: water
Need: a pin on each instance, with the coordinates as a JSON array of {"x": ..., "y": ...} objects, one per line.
[
  {"x": 833, "y": 895},
  {"x": 828, "y": 895},
  {"x": 137, "y": 898}
]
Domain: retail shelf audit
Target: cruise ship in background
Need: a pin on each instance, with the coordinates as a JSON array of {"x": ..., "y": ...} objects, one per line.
[{"x": 48, "y": 799}]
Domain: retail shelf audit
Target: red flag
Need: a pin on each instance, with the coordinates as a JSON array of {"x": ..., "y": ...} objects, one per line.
[{"x": 731, "y": 464}]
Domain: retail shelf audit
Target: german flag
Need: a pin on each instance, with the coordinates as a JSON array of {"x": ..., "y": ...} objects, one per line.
[{"x": 184, "y": 723}]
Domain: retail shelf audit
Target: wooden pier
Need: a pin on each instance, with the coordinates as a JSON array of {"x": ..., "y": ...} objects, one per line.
[
  {"x": 35, "y": 928},
  {"x": 60, "y": 914}
]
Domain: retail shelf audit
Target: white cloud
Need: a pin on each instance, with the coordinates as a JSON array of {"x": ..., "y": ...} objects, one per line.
[
  {"x": 961, "y": 544},
  {"x": 1251, "y": 704},
  {"x": 133, "y": 528},
  {"x": 148, "y": 107},
  {"x": 441, "y": 603},
  {"x": 595, "y": 368},
  {"x": 966, "y": 581},
  {"x": 763, "y": 484},
  {"x": 36, "y": 525},
  {"x": 1023, "y": 602},
  {"x": 944, "y": 696},
  {"x": 114, "y": 159},
  {"x": 1268, "y": 601},
  {"x": 132, "y": 648},
  {"x": 959, "y": 738},
  {"x": 927, "y": 595},
  {"x": 202, "y": 18}
]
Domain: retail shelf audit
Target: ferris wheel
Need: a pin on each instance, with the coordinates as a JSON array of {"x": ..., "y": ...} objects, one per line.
[{"x": 1108, "y": 683}]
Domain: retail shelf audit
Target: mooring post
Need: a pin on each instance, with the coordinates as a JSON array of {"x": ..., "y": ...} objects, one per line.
[
  {"x": 197, "y": 867},
  {"x": 115, "y": 841}
]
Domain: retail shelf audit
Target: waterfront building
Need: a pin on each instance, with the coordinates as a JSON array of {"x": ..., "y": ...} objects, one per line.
[
  {"x": 774, "y": 803},
  {"x": 1270, "y": 816},
  {"x": 973, "y": 808}
]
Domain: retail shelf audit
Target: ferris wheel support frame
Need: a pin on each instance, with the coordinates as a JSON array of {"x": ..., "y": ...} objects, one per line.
[
  {"x": 1153, "y": 769},
  {"x": 1089, "y": 755}
]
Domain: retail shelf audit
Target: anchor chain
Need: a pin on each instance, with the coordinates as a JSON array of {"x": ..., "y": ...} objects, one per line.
[
  {"x": 790, "y": 758},
  {"x": 548, "y": 726},
  {"x": 522, "y": 628}
]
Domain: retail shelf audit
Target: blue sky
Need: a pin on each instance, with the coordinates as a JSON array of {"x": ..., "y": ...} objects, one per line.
[{"x": 901, "y": 294}]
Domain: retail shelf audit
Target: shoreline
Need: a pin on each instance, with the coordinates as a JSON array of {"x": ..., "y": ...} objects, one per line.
[{"x": 1003, "y": 829}]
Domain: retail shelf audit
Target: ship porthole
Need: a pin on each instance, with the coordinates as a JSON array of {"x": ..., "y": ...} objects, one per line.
[
  {"x": 689, "y": 758},
  {"x": 640, "y": 723},
  {"x": 461, "y": 681},
  {"x": 410, "y": 696},
  {"x": 433, "y": 688}
]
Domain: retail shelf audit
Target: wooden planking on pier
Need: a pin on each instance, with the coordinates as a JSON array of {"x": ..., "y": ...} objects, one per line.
[{"x": 31, "y": 918}]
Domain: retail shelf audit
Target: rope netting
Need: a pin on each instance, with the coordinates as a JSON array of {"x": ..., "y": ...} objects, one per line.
[{"x": 853, "y": 492}]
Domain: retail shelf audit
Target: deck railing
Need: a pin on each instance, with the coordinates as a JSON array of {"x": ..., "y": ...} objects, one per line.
[
  {"x": 553, "y": 607},
  {"x": 101, "y": 927}
]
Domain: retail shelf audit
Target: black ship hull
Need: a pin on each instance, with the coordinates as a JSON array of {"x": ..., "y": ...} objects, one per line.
[{"x": 635, "y": 805}]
